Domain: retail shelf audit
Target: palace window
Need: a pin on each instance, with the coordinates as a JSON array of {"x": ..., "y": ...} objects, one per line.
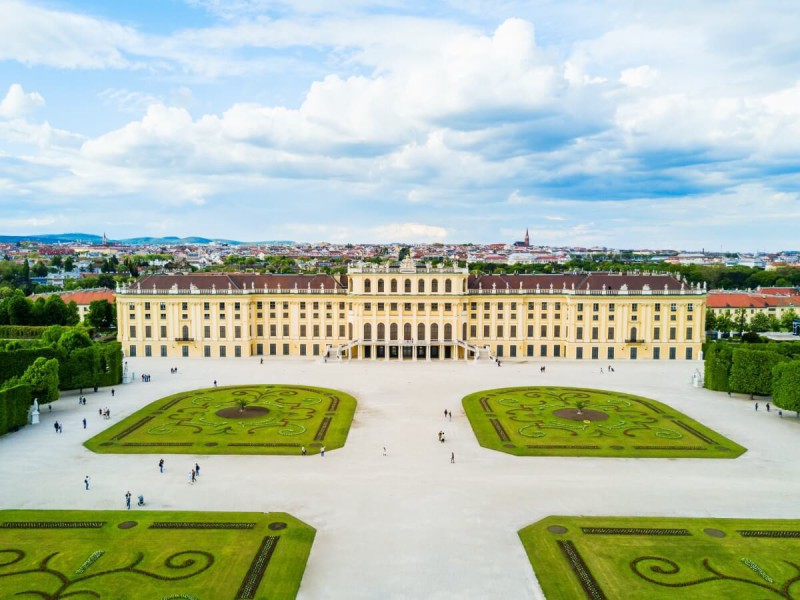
[{"x": 435, "y": 286}]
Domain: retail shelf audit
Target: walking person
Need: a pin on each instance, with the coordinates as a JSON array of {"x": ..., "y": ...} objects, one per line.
[
  {"x": 86, "y": 482},
  {"x": 128, "y": 499},
  {"x": 767, "y": 406},
  {"x": 302, "y": 450},
  {"x": 384, "y": 450},
  {"x": 192, "y": 477},
  {"x": 84, "y": 423},
  {"x": 756, "y": 406},
  {"x": 452, "y": 458},
  {"x": 112, "y": 392},
  {"x": 55, "y": 426},
  {"x": 322, "y": 451},
  {"x": 161, "y": 465},
  {"x": 197, "y": 469}
]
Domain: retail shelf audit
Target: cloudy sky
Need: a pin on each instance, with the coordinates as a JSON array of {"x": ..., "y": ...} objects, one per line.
[{"x": 672, "y": 124}]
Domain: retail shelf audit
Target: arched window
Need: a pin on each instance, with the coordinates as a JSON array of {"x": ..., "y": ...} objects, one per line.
[
  {"x": 633, "y": 333},
  {"x": 394, "y": 286},
  {"x": 448, "y": 332},
  {"x": 185, "y": 331},
  {"x": 368, "y": 286},
  {"x": 380, "y": 286},
  {"x": 381, "y": 331},
  {"x": 448, "y": 286},
  {"x": 434, "y": 331},
  {"x": 393, "y": 331},
  {"x": 407, "y": 331},
  {"x": 421, "y": 286},
  {"x": 367, "y": 331},
  {"x": 421, "y": 331},
  {"x": 407, "y": 286},
  {"x": 435, "y": 286}
]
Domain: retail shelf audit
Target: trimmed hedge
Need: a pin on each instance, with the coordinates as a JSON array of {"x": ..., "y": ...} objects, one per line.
[
  {"x": 786, "y": 385},
  {"x": 99, "y": 364},
  {"x": 21, "y": 332},
  {"x": 751, "y": 372},
  {"x": 14, "y": 404},
  {"x": 719, "y": 358}
]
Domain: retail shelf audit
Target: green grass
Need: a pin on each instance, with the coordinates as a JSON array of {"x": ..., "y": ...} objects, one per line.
[
  {"x": 151, "y": 564},
  {"x": 187, "y": 423},
  {"x": 522, "y": 421},
  {"x": 640, "y": 565}
]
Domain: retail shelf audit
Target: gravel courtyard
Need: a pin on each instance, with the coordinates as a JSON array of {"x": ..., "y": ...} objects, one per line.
[{"x": 411, "y": 524}]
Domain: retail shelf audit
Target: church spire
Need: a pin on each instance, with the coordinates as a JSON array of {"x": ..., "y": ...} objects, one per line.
[{"x": 527, "y": 238}]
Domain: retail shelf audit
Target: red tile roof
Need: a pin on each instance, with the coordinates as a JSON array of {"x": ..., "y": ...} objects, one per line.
[{"x": 749, "y": 300}]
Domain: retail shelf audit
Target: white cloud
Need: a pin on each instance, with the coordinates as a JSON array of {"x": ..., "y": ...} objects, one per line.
[
  {"x": 18, "y": 103},
  {"x": 408, "y": 232},
  {"x": 638, "y": 77}
]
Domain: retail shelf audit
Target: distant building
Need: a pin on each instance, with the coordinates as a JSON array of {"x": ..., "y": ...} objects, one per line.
[{"x": 83, "y": 298}]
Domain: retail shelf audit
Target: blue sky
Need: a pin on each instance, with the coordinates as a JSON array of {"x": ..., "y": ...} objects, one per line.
[{"x": 662, "y": 124}]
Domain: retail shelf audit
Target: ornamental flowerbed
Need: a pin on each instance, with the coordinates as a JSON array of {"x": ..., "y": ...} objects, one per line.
[
  {"x": 216, "y": 555},
  {"x": 561, "y": 421},
  {"x": 644, "y": 558},
  {"x": 250, "y": 419}
]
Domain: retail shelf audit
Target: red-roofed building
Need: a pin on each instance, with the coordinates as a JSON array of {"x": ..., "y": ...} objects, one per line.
[{"x": 83, "y": 298}]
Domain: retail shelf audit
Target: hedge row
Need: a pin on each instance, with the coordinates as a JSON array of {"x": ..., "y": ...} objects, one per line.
[
  {"x": 14, "y": 404},
  {"x": 21, "y": 332},
  {"x": 98, "y": 365}
]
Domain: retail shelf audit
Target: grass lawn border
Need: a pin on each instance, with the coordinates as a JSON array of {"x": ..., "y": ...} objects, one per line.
[
  {"x": 491, "y": 430},
  {"x": 331, "y": 428},
  {"x": 153, "y": 554},
  {"x": 597, "y": 557}
]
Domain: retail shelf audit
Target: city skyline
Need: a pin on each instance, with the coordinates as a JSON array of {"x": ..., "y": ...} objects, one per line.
[{"x": 673, "y": 125}]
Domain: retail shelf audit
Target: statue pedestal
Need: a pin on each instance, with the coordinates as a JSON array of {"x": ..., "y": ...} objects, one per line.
[{"x": 34, "y": 417}]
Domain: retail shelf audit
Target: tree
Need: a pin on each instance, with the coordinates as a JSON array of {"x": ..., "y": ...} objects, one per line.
[
  {"x": 69, "y": 264},
  {"x": 786, "y": 386},
  {"x": 101, "y": 314},
  {"x": 718, "y": 359},
  {"x": 759, "y": 323},
  {"x": 42, "y": 376},
  {"x": 55, "y": 311},
  {"x": 740, "y": 321},
  {"x": 19, "y": 310},
  {"x": 39, "y": 269},
  {"x": 56, "y": 261},
  {"x": 72, "y": 339},
  {"x": 711, "y": 320},
  {"x": 73, "y": 317},
  {"x": 787, "y": 318},
  {"x": 774, "y": 323},
  {"x": 724, "y": 323}
]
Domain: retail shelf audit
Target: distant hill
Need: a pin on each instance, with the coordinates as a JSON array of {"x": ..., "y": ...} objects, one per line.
[{"x": 88, "y": 238}]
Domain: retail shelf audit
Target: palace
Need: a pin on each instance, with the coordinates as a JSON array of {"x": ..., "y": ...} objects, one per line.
[{"x": 408, "y": 311}]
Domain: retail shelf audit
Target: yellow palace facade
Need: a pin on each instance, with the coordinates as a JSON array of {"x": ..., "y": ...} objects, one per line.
[{"x": 406, "y": 311}]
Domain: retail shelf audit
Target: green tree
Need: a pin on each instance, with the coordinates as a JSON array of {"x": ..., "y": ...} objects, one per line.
[
  {"x": 57, "y": 261},
  {"x": 787, "y": 318},
  {"x": 69, "y": 263},
  {"x": 711, "y": 320},
  {"x": 774, "y": 323},
  {"x": 101, "y": 314},
  {"x": 19, "y": 310},
  {"x": 786, "y": 386},
  {"x": 718, "y": 360},
  {"x": 740, "y": 321},
  {"x": 724, "y": 323},
  {"x": 42, "y": 376},
  {"x": 55, "y": 311},
  {"x": 39, "y": 269},
  {"x": 73, "y": 317},
  {"x": 72, "y": 339},
  {"x": 759, "y": 322}
]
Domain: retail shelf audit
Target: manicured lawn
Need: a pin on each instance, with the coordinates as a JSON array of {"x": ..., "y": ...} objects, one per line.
[
  {"x": 278, "y": 419},
  {"x": 646, "y": 558},
  {"x": 544, "y": 421},
  {"x": 151, "y": 555}
]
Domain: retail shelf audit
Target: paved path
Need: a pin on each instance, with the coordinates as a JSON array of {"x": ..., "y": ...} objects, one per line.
[{"x": 411, "y": 525}]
